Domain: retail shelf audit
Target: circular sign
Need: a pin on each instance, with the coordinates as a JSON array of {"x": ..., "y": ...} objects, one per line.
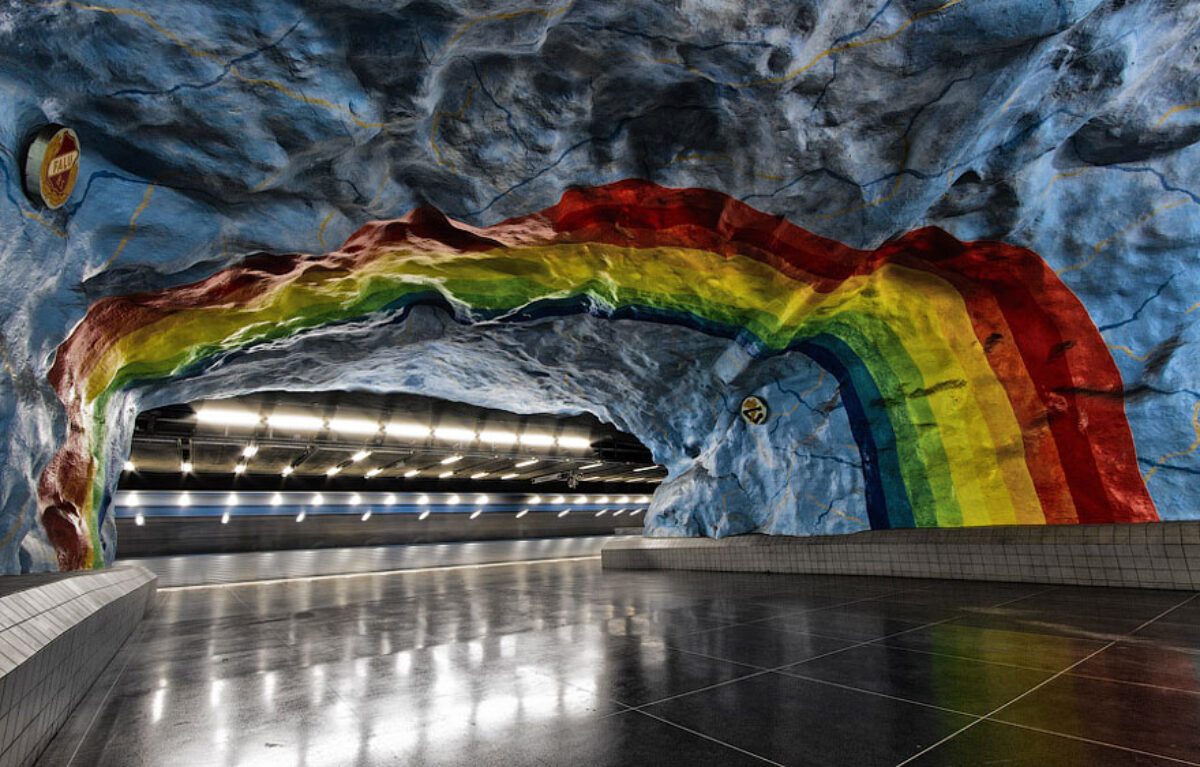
[
  {"x": 754, "y": 411},
  {"x": 52, "y": 165}
]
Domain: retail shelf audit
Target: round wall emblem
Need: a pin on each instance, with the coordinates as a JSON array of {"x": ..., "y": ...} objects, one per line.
[
  {"x": 754, "y": 411},
  {"x": 52, "y": 165}
]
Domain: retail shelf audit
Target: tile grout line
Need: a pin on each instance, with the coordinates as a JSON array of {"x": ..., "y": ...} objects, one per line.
[
  {"x": 988, "y": 716},
  {"x": 1094, "y": 742},
  {"x": 707, "y": 737}
]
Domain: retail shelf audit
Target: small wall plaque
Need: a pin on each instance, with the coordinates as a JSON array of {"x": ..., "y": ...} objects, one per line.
[{"x": 52, "y": 165}]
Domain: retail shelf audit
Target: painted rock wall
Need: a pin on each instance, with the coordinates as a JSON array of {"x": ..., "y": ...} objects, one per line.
[{"x": 1048, "y": 375}]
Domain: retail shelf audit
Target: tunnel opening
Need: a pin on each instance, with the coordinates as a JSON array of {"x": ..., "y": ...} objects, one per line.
[{"x": 278, "y": 470}]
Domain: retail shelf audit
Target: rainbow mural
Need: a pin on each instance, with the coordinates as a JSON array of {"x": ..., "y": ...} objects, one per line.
[{"x": 978, "y": 388}]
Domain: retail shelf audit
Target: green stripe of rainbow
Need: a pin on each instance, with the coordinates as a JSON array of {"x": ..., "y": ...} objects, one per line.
[{"x": 970, "y": 372}]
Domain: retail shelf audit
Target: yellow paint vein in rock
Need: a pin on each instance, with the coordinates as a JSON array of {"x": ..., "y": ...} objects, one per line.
[
  {"x": 547, "y": 13},
  {"x": 1129, "y": 352},
  {"x": 853, "y": 45},
  {"x": 321, "y": 229},
  {"x": 1180, "y": 453},
  {"x": 132, "y": 228},
  {"x": 436, "y": 120},
  {"x": 1176, "y": 110},
  {"x": 1100, "y": 246},
  {"x": 53, "y": 229},
  {"x": 199, "y": 53}
]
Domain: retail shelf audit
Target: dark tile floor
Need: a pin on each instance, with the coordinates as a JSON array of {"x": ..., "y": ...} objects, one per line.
[{"x": 564, "y": 663}]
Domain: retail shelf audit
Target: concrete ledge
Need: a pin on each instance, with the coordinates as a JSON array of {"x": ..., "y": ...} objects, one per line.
[
  {"x": 56, "y": 636},
  {"x": 1161, "y": 555}
]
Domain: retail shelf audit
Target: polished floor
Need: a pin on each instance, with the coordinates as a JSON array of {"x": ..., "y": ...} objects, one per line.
[
  {"x": 562, "y": 663},
  {"x": 206, "y": 569}
]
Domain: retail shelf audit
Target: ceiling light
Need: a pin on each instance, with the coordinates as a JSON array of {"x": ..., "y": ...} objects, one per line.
[
  {"x": 423, "y": 500},
  {"x": 522, "y": 513},
  {"x": 498, "y": 437},
  {"x": 239, "y": 469},
  {"x": 134, "y": 499},
  {"x": 184, "y": 499},
  {"x": 355, "y": 499},
  {"x": 373, "y": 472},
  {"x": 643, "y": 499},
  {"x": 219, "y": 416},
  {"x": 424, "y": 514},
  {"x": 407, "y": 429},
  {"x": 360, "y": 455},
  {"x": 535, "y": 499},
  {"x": 186, "y": 467},
  {"x": 479, "y": 475},
  {"x": 481, "y": 500},
  {"x": 538, "y": 440},
  {"x": 574, "y": 443},
  {"x": 390, "y": 499},
  {"x": 623, "y": 499},
  {"x": 618, "y": 512},
  {"x": 332, "y": 470},
  {"x": 595, "y": 465},
  {"x": 558, "y": 499},
  {"x": 564, "y": 512},
  {"x": 354, "y": 425},
  {"x": 130, "y": 466},
  {"x": 231, "y": 499},
  {"x": 366, "y": 515},
  {"x": 508, "y": 476},
  {"x": 445, "y": 474},
  {"x": 580, "y": 499},
  {"x": 276, "y": 499},
  {"x": 225, "y": 518},
  {"x": 646, "y": 468},
  {"x": 300, "y": 517},
  {"x": 476, "y": 513},
  {"x": 602, "y": 499},
  {"x": 297, "y": 422},
  {"x": 454, "y": 434},
  {"x": 287, "y": 471},
  {"x": 138, "y": 519},
  {"x": 602, "y": 512},
  {"x": 453, "y": 500},
  {"x": 412, "y": 473},
  {"x": 635, "y": 512},
  {"x": 318, "y": 499},
  {"x": 451, "y": 459},
  {"x": 525, "y": 463},
  {"x": 249, "y": 451}
]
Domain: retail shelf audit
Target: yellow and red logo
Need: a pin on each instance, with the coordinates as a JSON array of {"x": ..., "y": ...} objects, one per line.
[{"x": 52, "y": 165}]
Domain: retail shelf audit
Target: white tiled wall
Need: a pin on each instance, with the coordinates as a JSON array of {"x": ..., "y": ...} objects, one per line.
[
  {"x": 55, "y": 639},
  {"x": 1161, "y": 555}
]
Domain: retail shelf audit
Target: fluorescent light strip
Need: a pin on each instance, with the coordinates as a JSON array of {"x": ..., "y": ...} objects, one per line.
[
  {"x": 360, "y": 455},
  {"x": 574, "y": 443},
  {"x": 451, "y": 459},
  {"x": 523, "y": 464},
  {"x": 407, "y": 429},
  {"x": 596, "y": 465},
  {"x": 354, "y": 426},
  {"x": 297, "y": 422},
  {"x": 249, "y": 451},
  {"x": 454, "y": 434},
  {"x": 537, "y": 440},
  {"x": 498, "y": 437},
  {"x": 219, "y": 416},
  {"x": 646, "y": 468}
]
